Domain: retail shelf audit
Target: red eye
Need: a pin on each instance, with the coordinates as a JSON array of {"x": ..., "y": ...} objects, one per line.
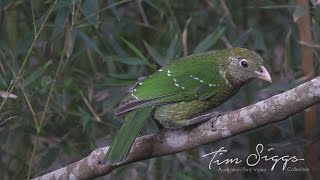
[{"x": 243, "y": 63}]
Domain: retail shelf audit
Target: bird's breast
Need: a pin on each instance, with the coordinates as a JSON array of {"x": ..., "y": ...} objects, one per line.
[{"x": 176, "y": 114}]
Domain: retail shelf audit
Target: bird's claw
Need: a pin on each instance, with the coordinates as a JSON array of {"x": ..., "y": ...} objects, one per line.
[
  {"x": 161, "y": 134},
  {"x": 213, "y": 119}
]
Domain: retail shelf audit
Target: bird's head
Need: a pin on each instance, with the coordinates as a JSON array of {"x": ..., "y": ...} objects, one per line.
[{"x": 244, "y": 65}]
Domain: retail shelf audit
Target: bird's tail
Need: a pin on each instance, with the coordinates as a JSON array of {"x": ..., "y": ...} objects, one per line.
[{"x": 125, "y": 137}]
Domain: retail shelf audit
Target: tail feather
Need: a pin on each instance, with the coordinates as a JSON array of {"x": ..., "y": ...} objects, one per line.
[
  {"x": 131, "y": 105},
  {"x": 125, "y": 137}
]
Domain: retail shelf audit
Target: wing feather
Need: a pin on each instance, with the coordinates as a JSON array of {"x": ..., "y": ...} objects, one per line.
[{"x": 186, "y": 79}]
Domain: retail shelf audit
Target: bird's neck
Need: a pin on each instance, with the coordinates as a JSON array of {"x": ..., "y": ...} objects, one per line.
[{"x": 235, "y": 82}]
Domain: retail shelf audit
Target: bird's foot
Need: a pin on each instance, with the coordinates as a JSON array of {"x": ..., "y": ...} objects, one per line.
[
  {"x": 203, "y": 117},
  {"x": 158, "y": 124},
  {"x": 213, "y": 118},
  {"x": 160, "y": 136}
]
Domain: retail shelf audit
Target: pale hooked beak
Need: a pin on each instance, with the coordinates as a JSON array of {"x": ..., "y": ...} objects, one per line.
[{"x": 263, "y": 74}]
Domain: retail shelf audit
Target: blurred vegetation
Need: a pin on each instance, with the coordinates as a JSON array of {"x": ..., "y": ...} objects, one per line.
[{"x": 71, "y": 62}]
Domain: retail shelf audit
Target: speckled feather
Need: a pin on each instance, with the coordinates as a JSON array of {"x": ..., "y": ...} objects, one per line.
[
  {"x": 186, "y": 87},
  {"x": 183, "y": 89}
]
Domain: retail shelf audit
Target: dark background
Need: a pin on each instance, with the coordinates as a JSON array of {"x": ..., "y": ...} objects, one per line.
[{"x": 76, "y": 59}]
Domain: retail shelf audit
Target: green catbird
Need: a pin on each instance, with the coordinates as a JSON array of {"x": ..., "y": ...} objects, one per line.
[{"x": 183, "y": 89}]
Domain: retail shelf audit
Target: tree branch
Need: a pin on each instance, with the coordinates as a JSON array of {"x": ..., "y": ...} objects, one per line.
[{"x": 274, "y": 109}]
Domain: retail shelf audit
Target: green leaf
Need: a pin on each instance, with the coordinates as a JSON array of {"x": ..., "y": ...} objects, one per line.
[
  {"x": 124, "y": 76},
  {"x": 316, "y": 17},
  {"x": 154, "y": 54},
  {"x": 209, "y": 41},
  {"x": 85, "y": 117},
  {"x": 287, "y": 50},
  {"x": 136, "y": 51},
  {"x": 157, "y": 5},
  {"x": 89, "y": 42},
  {"x": 49, "y": 156},
  {"x": 35, "y": 75},
  {"x": 126, "y": 60},
  {"x": 259, "y": 41},
  {"x": 3, "y": 81},
  {"x": 59, "y": 24},
  {"x": 109, "y": 81},
  {"x": 171, "y": 51},
  {"x": 90, "y": 9},
  {"x": 46, "y": 82},
  {"x": 242, "y": 39}
]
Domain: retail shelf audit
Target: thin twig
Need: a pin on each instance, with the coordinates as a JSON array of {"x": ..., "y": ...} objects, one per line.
[
  {"x": 185, "y": 37},
  {"x": 96, "y": 116},
  {"x": 142, "y": 13}
]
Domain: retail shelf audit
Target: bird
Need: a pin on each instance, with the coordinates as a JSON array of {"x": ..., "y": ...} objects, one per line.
[{"x": 181, "y": 90}]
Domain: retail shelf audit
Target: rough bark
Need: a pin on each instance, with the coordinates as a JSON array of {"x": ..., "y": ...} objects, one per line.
[{"x": 271, "y": 110}]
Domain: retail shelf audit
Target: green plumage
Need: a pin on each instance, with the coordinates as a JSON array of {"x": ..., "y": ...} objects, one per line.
[
  {"x": 133, "y": 123},
  {"x": 185, "y": 88}
]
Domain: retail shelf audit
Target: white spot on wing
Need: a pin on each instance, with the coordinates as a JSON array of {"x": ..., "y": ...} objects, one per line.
[
  {"x": 134, "y": 96},
  {"x": 223, "y": 74},
  {"x": 175, "y": 82},
  {"x": 200, "y": 80},
  {"x": 140, "y": 83}
]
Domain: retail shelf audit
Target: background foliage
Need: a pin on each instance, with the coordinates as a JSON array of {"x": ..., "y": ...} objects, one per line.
[{"x": 71, "y": 62}]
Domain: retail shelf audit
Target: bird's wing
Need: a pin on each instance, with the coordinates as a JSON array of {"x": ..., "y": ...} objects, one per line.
[{"x": 195, "y": 77}]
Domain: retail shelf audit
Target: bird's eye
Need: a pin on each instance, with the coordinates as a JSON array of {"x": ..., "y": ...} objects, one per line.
[{"x": 243, "y": 63}]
